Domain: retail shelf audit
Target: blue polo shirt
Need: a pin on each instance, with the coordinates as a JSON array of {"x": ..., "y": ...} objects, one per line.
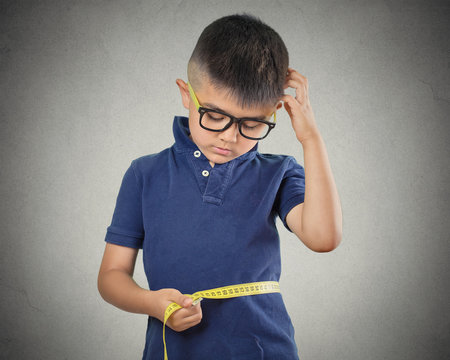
[{"x": 202, "y": 227}]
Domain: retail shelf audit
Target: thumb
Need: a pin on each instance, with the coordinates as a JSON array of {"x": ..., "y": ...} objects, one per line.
[
  {"x": 184, "y": 301},
  {"x": 288, "y": 109}
]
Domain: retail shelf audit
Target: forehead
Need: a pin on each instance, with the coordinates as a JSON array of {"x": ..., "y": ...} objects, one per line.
[{"x": 215, "y": 98}]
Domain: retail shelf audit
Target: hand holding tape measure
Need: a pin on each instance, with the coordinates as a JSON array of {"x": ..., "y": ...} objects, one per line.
[
  {"x": 192, "y": 312},
  {"x": 189, "y": 315}
]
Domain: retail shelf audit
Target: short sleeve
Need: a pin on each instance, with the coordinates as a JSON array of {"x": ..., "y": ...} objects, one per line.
[
  {"x": 291, "y": 191},
  {"x": 127, "y": 226}
]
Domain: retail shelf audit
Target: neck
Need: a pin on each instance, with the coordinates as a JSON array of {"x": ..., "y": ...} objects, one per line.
[{"x": 211, "y": 163}]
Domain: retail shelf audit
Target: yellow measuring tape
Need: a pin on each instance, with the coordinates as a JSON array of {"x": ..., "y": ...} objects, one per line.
[{"x": 226, "y": 292}]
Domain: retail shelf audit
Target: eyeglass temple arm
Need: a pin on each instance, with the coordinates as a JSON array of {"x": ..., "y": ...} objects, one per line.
[{"x": 191, "y": 91}]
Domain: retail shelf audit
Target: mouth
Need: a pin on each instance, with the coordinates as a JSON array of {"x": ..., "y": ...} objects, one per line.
[{"x": 222, "y": 151}]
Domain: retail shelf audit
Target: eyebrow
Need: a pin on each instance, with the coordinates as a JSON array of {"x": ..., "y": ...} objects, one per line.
[{"x": 214, "y": 107}]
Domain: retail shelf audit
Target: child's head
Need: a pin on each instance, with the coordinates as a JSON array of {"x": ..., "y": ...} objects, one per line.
[
  {"x": 238, "y": 65},
  {"x": 244, "y": 56}
]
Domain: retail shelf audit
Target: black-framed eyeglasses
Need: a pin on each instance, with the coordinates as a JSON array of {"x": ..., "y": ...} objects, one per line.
[{"x": 218, "y": 121}]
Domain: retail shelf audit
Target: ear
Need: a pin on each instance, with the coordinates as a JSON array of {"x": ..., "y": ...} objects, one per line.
[
  {"x": 184, "y": 91},
  {"x": 279, "y": 105}
]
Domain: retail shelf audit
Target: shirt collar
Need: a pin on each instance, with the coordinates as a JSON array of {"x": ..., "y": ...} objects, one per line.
[{"x": 184, "y": 144}]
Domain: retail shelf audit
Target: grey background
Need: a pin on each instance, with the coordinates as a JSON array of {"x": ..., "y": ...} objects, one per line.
[{"x": 87, "y": 86}]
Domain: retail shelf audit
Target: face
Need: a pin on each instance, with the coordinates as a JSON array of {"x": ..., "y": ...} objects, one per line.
[{"x": 219, "y": 147}]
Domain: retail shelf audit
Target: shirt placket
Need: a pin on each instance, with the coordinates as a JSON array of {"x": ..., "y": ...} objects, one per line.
[{"x": 213, "y": 181}]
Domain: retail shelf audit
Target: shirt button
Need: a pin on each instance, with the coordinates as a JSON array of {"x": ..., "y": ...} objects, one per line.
[
  {"x": 197, "y": 153},
  {"x": 205, "y": 173}
]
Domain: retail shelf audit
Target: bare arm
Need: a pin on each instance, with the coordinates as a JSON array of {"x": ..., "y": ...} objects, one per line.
[
  {"x": 115, "y": 280},
  {"x": 117, "y": 287},
  {"x": 318, "y": 220}
]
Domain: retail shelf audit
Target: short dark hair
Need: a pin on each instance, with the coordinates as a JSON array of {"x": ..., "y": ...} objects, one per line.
[{"x": 243, "y": 55}]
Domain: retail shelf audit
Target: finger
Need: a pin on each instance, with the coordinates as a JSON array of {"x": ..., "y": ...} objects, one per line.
[
  {"x": 294, "y": 83},
  {"x": 290, "y": 100},
  {"x": 196, "y": 313},
  {"x": 183, "y": 300},
  {"x": 296, "y": 74},
  {"x": 193, "y": 320},
  {"x": 298, "y": 78},
  {"x": 185, "y": 318},
  {"x": 290, "y": 104},
  {"x": 300, "y": 90},
  {"x": 196, "y": 317},
  {"x": 186, "y": 323},
  {"x": 290, "y": 70},
  {"x": 189, "y": 311}
]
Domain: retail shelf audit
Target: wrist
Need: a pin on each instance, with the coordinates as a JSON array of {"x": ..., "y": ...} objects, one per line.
[
  {"x": 313, "y": 136},
  {"x": 149, "y": 303}
]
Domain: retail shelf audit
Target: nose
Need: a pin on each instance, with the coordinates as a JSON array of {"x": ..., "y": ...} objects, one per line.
[{"x": 230, "y": 134}]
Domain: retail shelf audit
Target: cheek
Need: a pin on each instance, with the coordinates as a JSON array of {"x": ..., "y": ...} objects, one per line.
[
  {"x": 194, "y": 126},
  {"x": 199, "y": 135},
  {"x": 248, "y": 145}
]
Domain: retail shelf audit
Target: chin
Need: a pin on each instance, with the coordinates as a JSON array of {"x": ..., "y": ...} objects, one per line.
[{"x": 220, "y": 159}]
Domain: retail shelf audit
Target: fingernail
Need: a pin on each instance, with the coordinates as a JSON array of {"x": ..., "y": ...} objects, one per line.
[{"x": 195, "y": 302}]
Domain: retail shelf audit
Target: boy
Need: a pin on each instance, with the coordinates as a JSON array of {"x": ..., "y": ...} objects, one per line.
[{"x": 204, "y": 210}]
